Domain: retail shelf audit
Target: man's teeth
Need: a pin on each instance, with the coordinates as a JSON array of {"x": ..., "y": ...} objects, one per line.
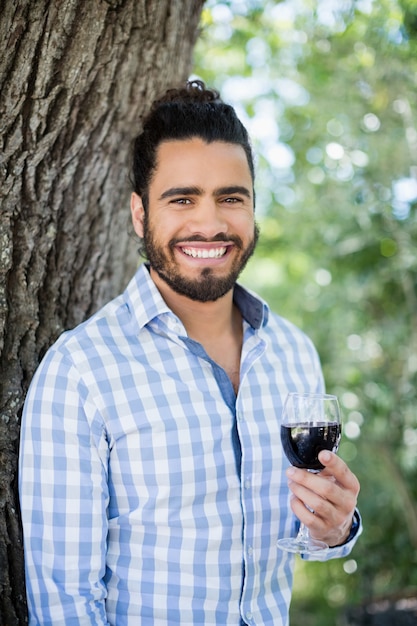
[{"x": 202, "y": 253}]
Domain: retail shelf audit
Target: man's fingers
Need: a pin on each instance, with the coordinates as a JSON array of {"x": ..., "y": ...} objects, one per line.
[{"x": 335, "y": 466}]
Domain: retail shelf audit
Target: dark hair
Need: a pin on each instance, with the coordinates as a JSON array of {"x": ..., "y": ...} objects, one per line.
[{"x": 183, "y": 113}]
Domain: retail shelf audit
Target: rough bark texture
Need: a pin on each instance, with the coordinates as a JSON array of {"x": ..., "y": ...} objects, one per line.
[{"x": 75, "y": 77}]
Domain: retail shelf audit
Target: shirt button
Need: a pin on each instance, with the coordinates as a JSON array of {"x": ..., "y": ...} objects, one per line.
[
  {"x": 250, "y": 551},
  {"x": 247, "y": 483},
  {"x": 248, "y": 615}
]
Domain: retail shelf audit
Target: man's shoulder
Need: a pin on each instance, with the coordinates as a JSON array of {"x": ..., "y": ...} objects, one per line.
[
  {"x": 95, "y": 330},
  {"x": 111, "y": 318},
  {"x": 283, "y": 329}
]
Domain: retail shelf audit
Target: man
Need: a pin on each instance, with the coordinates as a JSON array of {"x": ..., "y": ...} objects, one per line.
[{"x": 153, "y": 483}]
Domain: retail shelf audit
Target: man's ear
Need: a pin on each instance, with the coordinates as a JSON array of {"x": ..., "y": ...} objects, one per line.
[{"x": 138, "y": 212}]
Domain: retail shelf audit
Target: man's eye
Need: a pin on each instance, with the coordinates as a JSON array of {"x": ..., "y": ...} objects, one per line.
[
  {"x": 232, "y": 200},
  {"x": 181, "y": 201}
]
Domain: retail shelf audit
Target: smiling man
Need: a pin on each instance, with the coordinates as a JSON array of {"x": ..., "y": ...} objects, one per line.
[
  {"x": 209, "y": 218},
  {"x": 153, "y": 484}
]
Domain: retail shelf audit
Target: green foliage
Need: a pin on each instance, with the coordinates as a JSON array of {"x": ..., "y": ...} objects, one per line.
[{"x": 328, "y": 93}]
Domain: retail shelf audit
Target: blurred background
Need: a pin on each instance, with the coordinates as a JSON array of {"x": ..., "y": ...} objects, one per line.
[{"x": 327, "y": 90}]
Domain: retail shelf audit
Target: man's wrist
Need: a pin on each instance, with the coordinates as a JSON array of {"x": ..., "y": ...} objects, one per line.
[{"x": 353, "y": 530}]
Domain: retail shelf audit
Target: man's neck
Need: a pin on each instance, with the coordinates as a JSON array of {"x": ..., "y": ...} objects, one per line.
[
  {"x": 216, "y": 325},
  {"x": 202, "y": 320}
]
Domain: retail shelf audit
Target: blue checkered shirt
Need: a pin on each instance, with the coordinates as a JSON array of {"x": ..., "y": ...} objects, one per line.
[{"x": 151, "y": 493}]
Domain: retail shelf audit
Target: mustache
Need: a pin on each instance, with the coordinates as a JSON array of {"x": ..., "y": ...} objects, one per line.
[{"x": 222, "y": 237}]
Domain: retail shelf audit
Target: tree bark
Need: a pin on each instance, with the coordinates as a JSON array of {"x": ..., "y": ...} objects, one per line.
[{"x": 75, "y": 78}]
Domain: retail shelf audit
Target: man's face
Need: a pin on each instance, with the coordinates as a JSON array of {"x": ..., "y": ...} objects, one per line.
[{"x": 199, "y": 229}]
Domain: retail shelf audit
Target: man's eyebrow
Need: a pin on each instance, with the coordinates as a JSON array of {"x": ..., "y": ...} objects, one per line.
[
  {"x": 232, "y": 189},
  {"x": 181, "y": 191},
  {"x": 198, "y": 191}
]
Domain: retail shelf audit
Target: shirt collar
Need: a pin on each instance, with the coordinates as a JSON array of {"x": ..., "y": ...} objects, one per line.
[
  {"x": 253, "y": 309},
  {"x": 146, "y": 303}
]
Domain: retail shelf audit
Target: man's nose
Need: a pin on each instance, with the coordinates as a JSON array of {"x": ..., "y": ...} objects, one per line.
[{"x": 208, "y": 218}]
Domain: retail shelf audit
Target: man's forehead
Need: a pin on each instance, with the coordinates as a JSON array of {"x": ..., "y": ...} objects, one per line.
[
  {"x": 196, "y": 143},
  {"x": 196, "y": 150}
]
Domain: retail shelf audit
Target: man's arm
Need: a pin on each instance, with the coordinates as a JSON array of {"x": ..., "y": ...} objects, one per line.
[{"x": 64, "y": 497}]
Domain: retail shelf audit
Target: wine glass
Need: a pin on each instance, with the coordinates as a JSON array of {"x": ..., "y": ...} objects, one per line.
[{"x": 310, "y": 423}]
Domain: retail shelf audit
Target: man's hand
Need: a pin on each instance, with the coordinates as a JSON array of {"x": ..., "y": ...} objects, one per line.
[{"x": 332, "y": 495}]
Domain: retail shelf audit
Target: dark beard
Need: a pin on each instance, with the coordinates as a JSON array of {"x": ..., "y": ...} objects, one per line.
[{"x": 206, "y": 288}]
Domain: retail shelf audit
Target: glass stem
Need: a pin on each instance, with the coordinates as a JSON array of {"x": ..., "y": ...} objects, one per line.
[{"x": 303, "y": 534}]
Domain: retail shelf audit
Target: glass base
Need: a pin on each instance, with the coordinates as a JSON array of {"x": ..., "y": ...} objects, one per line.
[{"x": 300, "y": 546}]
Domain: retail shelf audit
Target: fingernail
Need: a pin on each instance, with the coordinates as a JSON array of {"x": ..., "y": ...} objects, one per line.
[
  {"x": 325, "y": 456},
  {"x": 290, "y": 471}
]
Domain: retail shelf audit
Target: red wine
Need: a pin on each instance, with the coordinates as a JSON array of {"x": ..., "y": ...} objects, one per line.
[{"x": 302, "y": 443}]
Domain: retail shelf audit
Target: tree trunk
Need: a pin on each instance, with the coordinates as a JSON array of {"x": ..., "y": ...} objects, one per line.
[{"x": 75, "y": 77}]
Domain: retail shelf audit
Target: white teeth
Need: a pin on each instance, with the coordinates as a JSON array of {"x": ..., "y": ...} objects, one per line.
[{"x": 201, "y": 253}]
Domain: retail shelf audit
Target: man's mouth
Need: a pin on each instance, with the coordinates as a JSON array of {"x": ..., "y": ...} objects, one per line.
[{"x": 205, "y": 253}]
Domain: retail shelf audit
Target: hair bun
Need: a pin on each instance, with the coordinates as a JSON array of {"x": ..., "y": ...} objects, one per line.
[{"x": 193, "y": 91}]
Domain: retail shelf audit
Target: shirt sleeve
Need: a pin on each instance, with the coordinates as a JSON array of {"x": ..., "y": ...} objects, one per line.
[{"x": 64, "y": 498}]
